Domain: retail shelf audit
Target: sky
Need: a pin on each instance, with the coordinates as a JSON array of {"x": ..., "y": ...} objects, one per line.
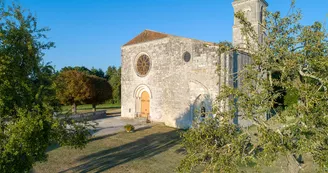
[{"x": 91, "y": 32}]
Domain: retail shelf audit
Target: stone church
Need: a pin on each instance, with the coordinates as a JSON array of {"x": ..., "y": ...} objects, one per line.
[{"x": 174, "y": 80}]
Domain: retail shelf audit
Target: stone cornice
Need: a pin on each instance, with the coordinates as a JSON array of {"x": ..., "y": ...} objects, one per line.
[{"x": 237, "y": 2}]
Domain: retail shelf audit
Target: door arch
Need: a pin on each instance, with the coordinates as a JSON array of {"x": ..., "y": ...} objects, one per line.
[
  {"x": 145, "y": 92},
  {"x": 145, "y": 104}
]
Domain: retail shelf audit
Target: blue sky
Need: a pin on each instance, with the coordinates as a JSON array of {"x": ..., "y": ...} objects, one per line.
[{"x": 91, "y": 32}]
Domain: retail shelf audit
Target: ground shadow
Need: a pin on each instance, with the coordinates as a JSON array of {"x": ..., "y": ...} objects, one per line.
[
  {"x": 114, "y": 114},
  {"x": 140, "y": 149},
  {"x": 52, "y": 146},
  {"x": 143, "y": 128},
  {"x": 101, "y": 137}
]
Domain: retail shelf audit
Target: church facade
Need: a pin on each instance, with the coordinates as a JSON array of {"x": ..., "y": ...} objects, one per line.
[{"x": 172, "y": 79}]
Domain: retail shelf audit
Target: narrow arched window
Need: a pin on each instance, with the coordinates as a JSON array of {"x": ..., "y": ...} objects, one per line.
[
  {"x": 261, "y": 15},
  {"x": 203, "y": 112}
]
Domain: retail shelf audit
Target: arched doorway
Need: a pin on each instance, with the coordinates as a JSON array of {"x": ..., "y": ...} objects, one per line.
[
  {"x": 202, "y": 107},
  {"x": 142, "y": 96},
  {"x": 145, "y": 102}
]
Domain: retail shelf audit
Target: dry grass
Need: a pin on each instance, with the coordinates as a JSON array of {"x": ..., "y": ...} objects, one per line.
[
  {"x": 151, "y": 150},
  {"x": 148, "y": 150}
]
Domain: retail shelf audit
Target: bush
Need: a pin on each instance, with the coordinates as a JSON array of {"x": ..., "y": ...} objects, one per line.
[{"x": 129, "y": 128}]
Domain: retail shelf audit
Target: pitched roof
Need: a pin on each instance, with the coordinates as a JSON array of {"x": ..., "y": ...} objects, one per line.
[{"x": 145, "y": 36}]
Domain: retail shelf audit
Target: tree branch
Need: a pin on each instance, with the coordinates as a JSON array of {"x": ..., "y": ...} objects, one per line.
[{"x": 311, "y": 76}]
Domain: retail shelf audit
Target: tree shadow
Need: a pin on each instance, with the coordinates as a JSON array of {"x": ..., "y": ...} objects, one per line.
[
  {"x": 143, "y": 148},
  {"x": 52, "y": 146},
  {"x": 101, "y": 137}
]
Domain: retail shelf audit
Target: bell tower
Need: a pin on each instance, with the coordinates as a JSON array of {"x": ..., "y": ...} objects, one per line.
[{"x": 254, "y": 12}]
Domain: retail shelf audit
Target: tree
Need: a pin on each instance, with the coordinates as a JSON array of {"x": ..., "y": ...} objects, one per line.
[
  {"x": 111, "y": 71},
  {"x": 77, "y": 68},
  {"x": 114, "y": 78},
  {"x": 101, "y": 91},
  {"x": 73, "y": 88},
  {"x": 97, "y": 72},
  {"x": 27, "y": 95},
  {"x": 287, "y": 80}
]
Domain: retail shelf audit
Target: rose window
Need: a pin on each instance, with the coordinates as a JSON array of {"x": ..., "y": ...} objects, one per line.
[{"x": 143, "y": 65}]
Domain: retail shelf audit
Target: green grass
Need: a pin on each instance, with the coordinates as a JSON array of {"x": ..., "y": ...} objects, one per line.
[
  {"x": 88, "y": 107},
  {"x": 155, "y": 149}
]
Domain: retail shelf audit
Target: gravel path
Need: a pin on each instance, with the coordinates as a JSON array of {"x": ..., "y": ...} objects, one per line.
[{"x": 114, "y": 123}]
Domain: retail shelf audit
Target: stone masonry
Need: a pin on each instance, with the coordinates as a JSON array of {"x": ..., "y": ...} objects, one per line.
[
  {"x": 175, "y": 85},
  {"x": 179, "y": 90}
]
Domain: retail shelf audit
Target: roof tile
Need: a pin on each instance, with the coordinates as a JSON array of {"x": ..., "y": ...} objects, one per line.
[{"x": 145, "y": 36}]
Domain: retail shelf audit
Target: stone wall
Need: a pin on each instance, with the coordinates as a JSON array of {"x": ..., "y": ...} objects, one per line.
[
  {"x": 177, "y": 88},
  {"x": 90, "y": 115}
]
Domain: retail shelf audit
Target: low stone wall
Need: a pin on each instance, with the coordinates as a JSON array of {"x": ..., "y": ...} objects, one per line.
[{"x": 89, "y": 116}]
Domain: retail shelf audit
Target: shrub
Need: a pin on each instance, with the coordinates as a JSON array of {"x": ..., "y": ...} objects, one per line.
[{"x": 129, "y": 128}]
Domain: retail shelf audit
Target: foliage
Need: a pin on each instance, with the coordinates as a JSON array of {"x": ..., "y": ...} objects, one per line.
[
  {"x": 97, "y": 72},
  {"x": 77, "y": 68},
  {"x": 27, "y": 95},
  {"x": 209, "y": 143},
  {"x": 287, "y": 79},
  {"x": 111, "y": 71},
  {"x": 73, "y": 88},
  {"x": 129, "y": 128},
  {"x": 114, "y": 78},
  {"x": 93, "y": 71},
  {"x": 100, "y": 91}
]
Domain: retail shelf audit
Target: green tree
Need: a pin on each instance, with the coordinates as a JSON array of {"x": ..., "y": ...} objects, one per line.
[
  {"x": 114, "y": 77},
  {"x": 287, "y": 80},
  {"x": 27, "y": 95},
  {"x": 97, "y": 72},
  {"x": 111, "y": 71},
  {"x": 77, "y": 68},
  {"x": 100, "y": 91},
  {"x": 73, "y": 88}
]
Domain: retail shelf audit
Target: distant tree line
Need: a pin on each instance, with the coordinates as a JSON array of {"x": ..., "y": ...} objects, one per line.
[{"x": 80, "y": 85}]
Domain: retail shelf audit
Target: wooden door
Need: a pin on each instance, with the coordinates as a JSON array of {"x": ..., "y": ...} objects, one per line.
[{"x": 145, "y": 104}]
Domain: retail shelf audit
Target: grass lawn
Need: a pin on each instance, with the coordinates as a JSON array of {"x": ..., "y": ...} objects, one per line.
[
  {"x": 155, "y": 149},
  {"x": 88, "y": 108},
  {"x": 150, "y": 150}
]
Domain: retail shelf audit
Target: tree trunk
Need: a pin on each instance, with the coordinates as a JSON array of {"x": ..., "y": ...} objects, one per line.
[
  {"x": 94, "y": 107},
  {"x": 74, "y": 108}
]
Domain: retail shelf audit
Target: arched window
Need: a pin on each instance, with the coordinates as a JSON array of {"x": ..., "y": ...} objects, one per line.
[
  {"x": 261, "y": 15},
  {"x": 203, "y": 112}
]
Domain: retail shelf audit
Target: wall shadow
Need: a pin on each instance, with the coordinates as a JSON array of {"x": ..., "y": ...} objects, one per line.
[
  {"x": 114, "y": 114},
  {"x": 140, "y": 149}
]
